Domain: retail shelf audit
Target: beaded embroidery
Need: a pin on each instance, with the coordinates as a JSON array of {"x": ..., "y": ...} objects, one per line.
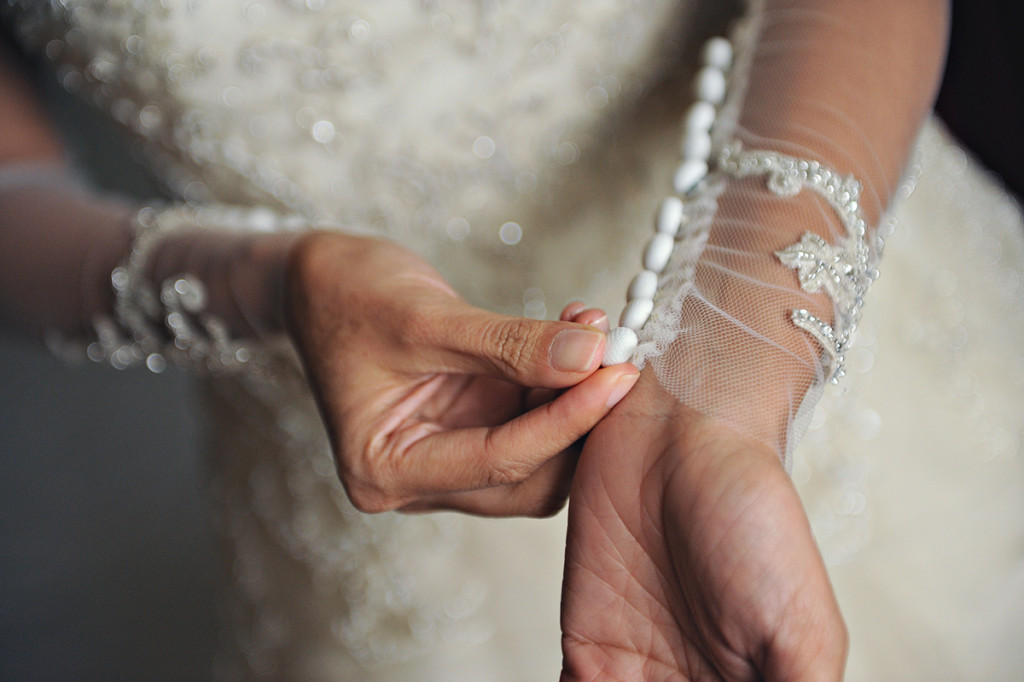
[
  {"x": 151, "y": 327},
  {"x": 844, "y": 270}
]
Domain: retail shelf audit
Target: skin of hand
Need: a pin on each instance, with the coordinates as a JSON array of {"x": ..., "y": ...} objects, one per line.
[
  {"x": 431, "y": 403},
  {"x": 690, "y": 557}
]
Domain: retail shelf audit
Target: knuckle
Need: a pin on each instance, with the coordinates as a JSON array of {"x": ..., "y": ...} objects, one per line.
[
  {"x": 507, "y": 473},
  {"x": 552, "y": 493},
  {"x": 369, "y": 489},
  {"x": 548, "y": 505},
  {"x": 513, "y": 344},
  {"x": 372, "y": 501}
]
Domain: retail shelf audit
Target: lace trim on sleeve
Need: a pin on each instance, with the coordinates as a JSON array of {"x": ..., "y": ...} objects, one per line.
[
  {"x": 152, "y": 324},
  {"x": 845, "y": 270}
]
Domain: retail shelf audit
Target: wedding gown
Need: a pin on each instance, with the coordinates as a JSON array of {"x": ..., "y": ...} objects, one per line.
[{"x": 520, "y": 148}]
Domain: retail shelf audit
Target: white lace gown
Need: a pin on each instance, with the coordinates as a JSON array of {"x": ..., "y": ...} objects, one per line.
[{"x": 522, "y": 147}]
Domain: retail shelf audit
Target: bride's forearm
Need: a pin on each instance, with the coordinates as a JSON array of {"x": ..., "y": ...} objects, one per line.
[
  {"x": 755, "y": 313},
  {"x": 58, "y": 246},
  {"x": 846, "y": 83}
]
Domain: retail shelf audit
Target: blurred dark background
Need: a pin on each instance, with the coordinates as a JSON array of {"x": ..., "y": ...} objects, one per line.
[
  {"x": 982, "y": 95},
  {"x": 107, "y": 562}
]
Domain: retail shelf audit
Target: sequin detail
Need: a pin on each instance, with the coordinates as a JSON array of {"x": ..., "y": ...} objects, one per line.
[
  {"x": 844, "y": 270},
  {"x": 153, "y": 326}
]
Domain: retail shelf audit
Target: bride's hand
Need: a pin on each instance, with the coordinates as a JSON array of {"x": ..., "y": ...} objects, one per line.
[
  {"x": 690, "y": 557},
  {"x": 431, "y": 403}
]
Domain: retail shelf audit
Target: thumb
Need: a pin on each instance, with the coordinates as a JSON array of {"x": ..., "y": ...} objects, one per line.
[{"x": 527, "y": 352}]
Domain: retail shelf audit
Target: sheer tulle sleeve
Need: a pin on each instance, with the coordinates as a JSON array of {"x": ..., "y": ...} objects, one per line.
[
  {"x": 59, "y": 243},
  {"x": 779, "y": 242},
  {"x": 138, "y": 285},
  {"x": 122, "y": 282}
]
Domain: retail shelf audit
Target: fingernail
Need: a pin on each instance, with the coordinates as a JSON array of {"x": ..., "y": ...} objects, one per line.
[
  {"x": 573, "y": 309},
  {"x": 592, "y": 317},
  {"x": 574, "y": 350},
  {"x": 622, "y": 387}
]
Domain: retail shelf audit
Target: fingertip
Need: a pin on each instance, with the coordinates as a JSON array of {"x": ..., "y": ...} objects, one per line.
[
  {"x": 593, "y": 317},
  {"x": 571, "y": 310},
  {"x": 604, "y": 389},
  {"x": 623, "y": 384}
]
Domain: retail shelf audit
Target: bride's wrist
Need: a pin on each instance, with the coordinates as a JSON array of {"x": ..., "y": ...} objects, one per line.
[
  {"x": 766, "y": 397},
  {"x": 670, "y": 429}
]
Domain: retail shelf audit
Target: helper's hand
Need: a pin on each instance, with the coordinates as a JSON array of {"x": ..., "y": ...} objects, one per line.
[
  {"x": 690, "y": 557},
  {"x": 431, "y": 403}
]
